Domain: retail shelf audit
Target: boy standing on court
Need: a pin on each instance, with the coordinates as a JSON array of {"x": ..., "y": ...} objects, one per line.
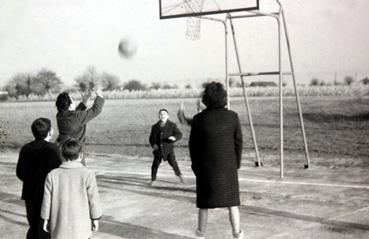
[
  {"x": 71, "y": 205},
  {"x": 36, "y": 160},
  {"x": 162, "y": 137}
]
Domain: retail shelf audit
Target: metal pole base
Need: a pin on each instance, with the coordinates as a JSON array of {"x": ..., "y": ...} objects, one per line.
[{"x": 259, "y": 165}]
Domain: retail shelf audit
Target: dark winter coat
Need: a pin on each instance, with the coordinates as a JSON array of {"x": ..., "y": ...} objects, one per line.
[
  {"x": 36, "y": 160},
  {"x": 72, "y": 124},
  {"x": 215, "y": 150},
  {"x": 159, "y": 136}
]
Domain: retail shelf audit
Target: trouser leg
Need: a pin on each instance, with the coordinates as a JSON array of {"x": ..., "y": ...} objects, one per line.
[
  {"x": 33, "y": 211},
  {"x": 173, "y": 162},
  {"x": 32, "y": 220},
  {"x": 155, "y": 165}
]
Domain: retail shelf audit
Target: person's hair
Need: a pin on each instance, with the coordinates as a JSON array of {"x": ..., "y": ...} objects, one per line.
[
  {"x": 163, "y": 109},
  {"x": 71, "y": 149},
  {"x": 214, "y": 95},
  {"x": 40, "y": 128},
  {"x": 63, "y": 102}
]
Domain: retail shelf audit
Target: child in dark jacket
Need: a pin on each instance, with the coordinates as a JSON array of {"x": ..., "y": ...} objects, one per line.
[
  {"x": 36, "y": 160},
  {"x": 72, "y": 120},
  {"x": 162, "y": 137}
]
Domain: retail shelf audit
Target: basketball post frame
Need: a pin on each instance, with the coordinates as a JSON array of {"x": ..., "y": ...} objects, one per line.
[{"x": 282, "y": 27}]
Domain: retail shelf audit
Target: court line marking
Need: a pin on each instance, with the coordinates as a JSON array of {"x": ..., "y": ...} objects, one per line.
[
  {"x": 337, "y": 185},
  {"x": 317, "y": 224},
  {"x": 305, "y": 183}
]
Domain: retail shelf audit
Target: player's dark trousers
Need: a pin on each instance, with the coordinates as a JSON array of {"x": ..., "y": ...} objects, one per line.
[
  {"x": 33, "y": 211},
  {"x": 157, "y": 160}
]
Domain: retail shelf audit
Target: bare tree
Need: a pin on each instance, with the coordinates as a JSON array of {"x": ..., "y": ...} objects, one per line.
[
  {"x": 20, "y": 84},
  {"x": 46, "y": 82},
  {"x": 88, "y": 80},
  {"x": 109, "y": 81}
]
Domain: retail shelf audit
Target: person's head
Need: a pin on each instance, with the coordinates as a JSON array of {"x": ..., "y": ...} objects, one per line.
[
  {"x": 41, "y": 128},
  {"x": 163, "y": 115},
  {"x": 214, "y": 95},
  {"x": 64, "y": 102},
  {"x": 71, "y": 149}
]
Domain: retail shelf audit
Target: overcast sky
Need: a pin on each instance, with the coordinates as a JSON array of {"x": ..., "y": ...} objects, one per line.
[{"x": 67, "y": 36}]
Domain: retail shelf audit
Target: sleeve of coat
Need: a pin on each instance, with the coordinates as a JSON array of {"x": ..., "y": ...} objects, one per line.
[
  {"x": 238, "y": 141},
  {"x": 81, "y": 107},
  {"x": 87, "y": 115},
  {"x": 152, "y": 137},
  {"x": 194, "y": 146},
  {"x": 54, "y": 159},
  {"x": 19, "y": 169},
  {"x": 93, "y": 197},
  {"x": 176, "y": 132},
  {"x": 46, "y": 202}
]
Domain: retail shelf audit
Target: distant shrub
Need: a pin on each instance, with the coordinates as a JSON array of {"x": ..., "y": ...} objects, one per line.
[
  {"x": 263, "y": 84},
  {"x": 314, "y": 82},
  {"x": 134, "y": 85},
  {"x": 4, "y": 96},
  {"x": 348, "y": 80}
]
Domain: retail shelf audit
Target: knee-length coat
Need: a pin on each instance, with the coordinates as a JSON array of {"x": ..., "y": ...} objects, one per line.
[{"x": 215, "y": 149}]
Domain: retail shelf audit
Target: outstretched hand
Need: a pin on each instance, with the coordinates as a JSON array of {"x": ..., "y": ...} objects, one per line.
[
  {"x": 45, "y": 226},
  {"x": 98, "y": 92},
  {"x": 85, "y": 96},
  {"x": 95, "y": 225}
]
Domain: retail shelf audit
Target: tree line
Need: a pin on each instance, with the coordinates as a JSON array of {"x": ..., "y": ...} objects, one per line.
[{"x": 47, "y": 82}]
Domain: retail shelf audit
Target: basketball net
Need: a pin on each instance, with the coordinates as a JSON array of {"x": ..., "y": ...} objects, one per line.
[{"x": 193, "y": 23}]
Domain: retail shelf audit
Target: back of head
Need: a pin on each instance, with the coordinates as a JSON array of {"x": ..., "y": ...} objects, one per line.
[
  {"x": 71, "y": 149},
  {"x": 40, "y": 128},
  {"x": 63, "y": 101},
  {"x": 214, "y": 95}
]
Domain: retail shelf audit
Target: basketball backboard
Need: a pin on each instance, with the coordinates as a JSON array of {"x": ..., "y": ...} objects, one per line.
[{"x": 188, "y": 8}]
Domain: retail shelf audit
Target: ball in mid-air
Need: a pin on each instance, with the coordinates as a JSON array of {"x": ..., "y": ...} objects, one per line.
[{"x": 127, "y": 47}]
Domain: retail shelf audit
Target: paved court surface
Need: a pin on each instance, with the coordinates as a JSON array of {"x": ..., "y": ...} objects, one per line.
[{"x": 322, "y": 202}]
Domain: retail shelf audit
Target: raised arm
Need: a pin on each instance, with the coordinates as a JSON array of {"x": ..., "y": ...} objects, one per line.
[{"x": 95, "y": 110}]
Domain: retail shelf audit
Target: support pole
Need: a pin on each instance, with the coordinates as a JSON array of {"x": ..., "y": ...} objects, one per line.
[
  {"x": 280, "y": 97},
  {"x": 307, "y": 165},
  {"x": 258, "y": 163},
  {"x": 226, "y": 62}
]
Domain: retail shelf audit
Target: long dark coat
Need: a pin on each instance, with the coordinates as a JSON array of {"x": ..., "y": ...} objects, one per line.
[
  {"x": 159, "y": 136},
  {"x": 215, "y": 150}
]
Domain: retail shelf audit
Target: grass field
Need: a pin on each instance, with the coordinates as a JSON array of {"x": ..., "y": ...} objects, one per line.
[
  {"x": 330, "y": 200},
  {"x": 334, "y": 125}
]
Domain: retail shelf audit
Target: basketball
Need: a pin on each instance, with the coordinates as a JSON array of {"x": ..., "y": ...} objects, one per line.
[{"x": 127, "y": 47}]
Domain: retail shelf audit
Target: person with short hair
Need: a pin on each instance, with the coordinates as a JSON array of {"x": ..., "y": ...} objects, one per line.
[
  {"x": 163, "y": 135},
  {"x": 215, "y": 149},
  {"x": 71, "y": 205},
  {"x": 72, "y": 120},
  {"x": 36, "y": 160}
]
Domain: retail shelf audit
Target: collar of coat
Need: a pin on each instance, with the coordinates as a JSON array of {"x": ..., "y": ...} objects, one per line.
[
  {"x": 158, "y": 123},
  {"x": 71, "y": 164}
]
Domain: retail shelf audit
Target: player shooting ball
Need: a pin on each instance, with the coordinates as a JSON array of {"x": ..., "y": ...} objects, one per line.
[{"x": 72, "y": 120}]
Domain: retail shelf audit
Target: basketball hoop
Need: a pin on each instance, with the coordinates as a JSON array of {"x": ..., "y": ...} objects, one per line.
[{"x": 193, "y": 23}]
